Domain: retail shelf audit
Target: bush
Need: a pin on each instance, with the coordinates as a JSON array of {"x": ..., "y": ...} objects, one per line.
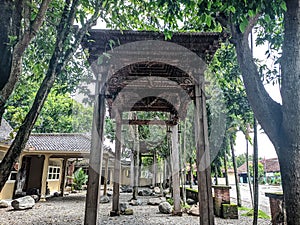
[{"x": 80, "y": 178}]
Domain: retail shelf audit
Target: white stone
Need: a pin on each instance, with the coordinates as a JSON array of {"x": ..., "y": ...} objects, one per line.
[
  {"x": 104, "y": 199},
  {"x": 26, "y": 202},
  {"x": 3, "y": 204},
  {"x": 157, "y": 190}
]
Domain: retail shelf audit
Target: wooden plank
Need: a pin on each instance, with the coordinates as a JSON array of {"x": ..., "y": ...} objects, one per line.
[
  {"x": 116, "y": 187},
  {"x": 95, "y": 162},
  {"x": 175, "y": 171},
  {"x": 147, "y": 122}
]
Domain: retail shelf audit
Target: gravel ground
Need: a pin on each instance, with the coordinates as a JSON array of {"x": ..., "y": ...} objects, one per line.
[{"x": 70, "y": 210}]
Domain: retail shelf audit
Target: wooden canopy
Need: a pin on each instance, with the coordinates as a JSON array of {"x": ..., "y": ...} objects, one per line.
[
  {"x": 150, "y": 74},
  {"x": 141, "y": 71}
]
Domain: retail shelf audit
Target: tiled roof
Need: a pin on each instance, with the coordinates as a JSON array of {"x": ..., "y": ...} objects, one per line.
[
  {"x": 270, "y": 165},
  {"x": 59, "y": 142},
  {"x": 5, "y": 131},
  {"x": 243, "y": 168}
]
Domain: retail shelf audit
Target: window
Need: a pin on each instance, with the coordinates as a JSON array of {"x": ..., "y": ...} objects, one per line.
[
  {"x": 53, "y": 172},
  {"x": 13, "y": 175}
]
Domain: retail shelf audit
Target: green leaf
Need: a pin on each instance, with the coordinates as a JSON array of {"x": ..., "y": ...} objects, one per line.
[
  {"x": 283, "y": 5},
  {"x": 208, "y": 20},
  {"x": 243, "y": 25}
]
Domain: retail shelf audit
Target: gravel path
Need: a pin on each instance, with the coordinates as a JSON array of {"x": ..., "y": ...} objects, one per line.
[{"x": 70, "y": 210}]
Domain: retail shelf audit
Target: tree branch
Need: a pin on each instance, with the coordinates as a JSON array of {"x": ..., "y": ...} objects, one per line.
[
  {"x": 19, "y": 49},
  {"x": 252, "y": 22},
  {"x": 267, "y": 111}
]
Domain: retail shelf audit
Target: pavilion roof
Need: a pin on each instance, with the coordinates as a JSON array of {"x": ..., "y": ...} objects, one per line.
[{"x": 147, "y": 72}]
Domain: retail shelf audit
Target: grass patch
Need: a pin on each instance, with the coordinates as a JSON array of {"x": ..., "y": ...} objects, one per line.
[
  {"x": 242, "y": 208},
  {"x": 261, "y": 214},
  {"x": 191, "y": 190}
]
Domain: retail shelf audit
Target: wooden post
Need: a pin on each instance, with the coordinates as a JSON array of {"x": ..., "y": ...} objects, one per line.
[
  {"x": 63, "y": 177},
  {"x": 95, "y": 162},
  {"x": 203, "y": 159},
  {"x": 105, "y": 176},
  {"x": 136, "y": 159},
  {"x": 154, "y": 170},
  {"x": 131, "y": 169},
  {"x": 116, "y": 190},
  {"x": 44, "y": 178},
  {"x": 175, "y": 171}
]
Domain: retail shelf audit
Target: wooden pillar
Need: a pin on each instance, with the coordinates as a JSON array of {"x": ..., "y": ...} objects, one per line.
[
  {"x": 117, "y": 165},
  {"x": 175, "y": 171},
  {"x": 131, "y": 169},
  {"x": 203, "y": 159},
  {"x": 154, "y": 170},
  {"x": 95, "y": 162},
  {"x": 105, "y": 176},
  {"x": 63, "y": 177},
  {"x": 136, "y": 159},
  {"x": 44, "y": 178}
]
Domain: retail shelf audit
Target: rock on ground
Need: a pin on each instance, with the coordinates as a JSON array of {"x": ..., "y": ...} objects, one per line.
[
  {"x": 104, "y": 199},
  {"x": 194, "y": 210},
  {"x": 26, "y": 202},
  {"x": 123, "y": 206},
  {"x": 156, "y": 201},
  {"x": 135, "y": 202},
  {"x": 3, "y": 204},
  {"x": 165, "y": 207},
  {"x": 190, "y": 201},
  {"x": 156, "y": 190}
]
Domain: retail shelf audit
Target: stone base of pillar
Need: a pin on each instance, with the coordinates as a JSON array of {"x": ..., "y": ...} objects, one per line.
[
  {"x": 114, "y": 213},
  {"x": 43, "y": 199},
  {"x": 177, "y": 213}
]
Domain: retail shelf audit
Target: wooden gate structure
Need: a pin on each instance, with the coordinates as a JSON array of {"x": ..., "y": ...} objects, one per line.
[{"x": 141, "y": 71}]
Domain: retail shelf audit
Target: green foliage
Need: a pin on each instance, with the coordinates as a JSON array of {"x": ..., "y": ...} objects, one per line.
[
  {"x": 170, "y": 201},
  {"x": 80, "y": 178},
  {"x": 61, "y": 113},
  {"x": 261, "y": 214},
  {"x": 261, "y": 171},
  {"x": 241, "y": 159}
]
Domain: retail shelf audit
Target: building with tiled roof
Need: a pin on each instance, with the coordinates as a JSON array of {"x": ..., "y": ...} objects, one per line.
[
  {"x": 46, "y": 161},
  {"x": 271, "y": 166}
]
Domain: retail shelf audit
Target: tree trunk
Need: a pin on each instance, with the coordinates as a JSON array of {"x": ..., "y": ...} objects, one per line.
[
  {"x": 57, "y": 63},
  {"x": 255, "y": 174},
  {"x": 237, "y": 183},
  {"x": 248, "y": 173},
  {"x": 226, "y": 169},
  {"x": 216, "y": 175},
  {"x": 290, "y": 173},
  {"x": 191, "y": 173},
  {"x": 12, "y": 53}
]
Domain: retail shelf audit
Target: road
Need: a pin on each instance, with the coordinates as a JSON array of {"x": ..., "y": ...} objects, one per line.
[{"x": 262, "y": 199}]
